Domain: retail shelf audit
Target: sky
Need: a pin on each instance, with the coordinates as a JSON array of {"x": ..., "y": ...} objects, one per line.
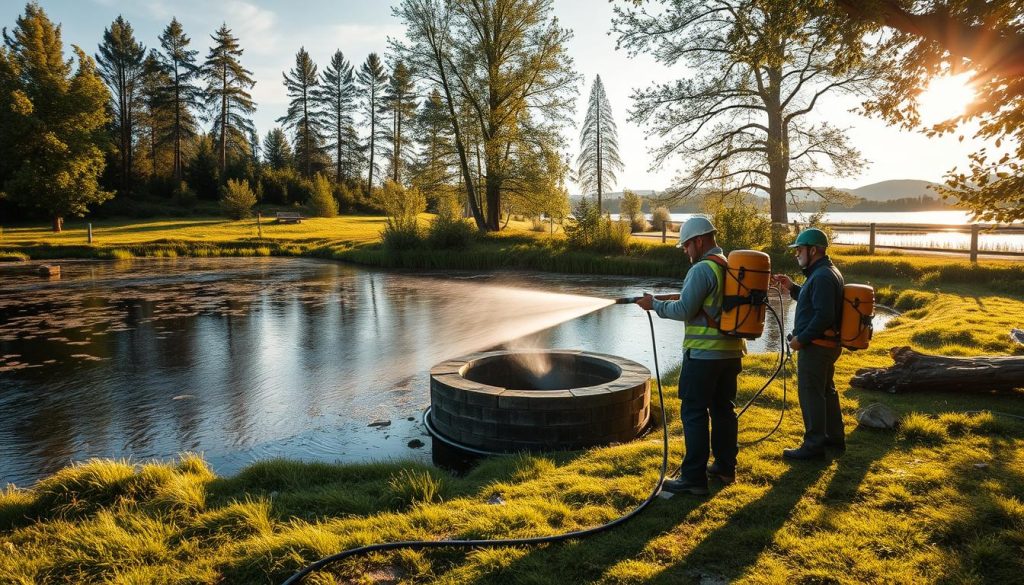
[{"x": 272, "y": 31}]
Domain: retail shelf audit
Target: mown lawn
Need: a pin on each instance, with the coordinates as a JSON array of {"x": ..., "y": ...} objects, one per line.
[{"x": 937, "y": 501}]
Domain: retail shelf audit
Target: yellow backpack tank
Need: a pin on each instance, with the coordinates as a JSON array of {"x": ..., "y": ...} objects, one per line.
[
  {"x": 745, "y": 294},
  {"x": 855, "y": 328}
]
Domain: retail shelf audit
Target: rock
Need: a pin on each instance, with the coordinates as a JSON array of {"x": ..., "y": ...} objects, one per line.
[
  {"x": 877, "y": 416},
  {"x": 496, "y": 500},
  {"x": 380, "y": 423},
  {"x": 981, "y": 465},
  {"x": 411, "y": 418},
  {"x": 415, "y": 444},
  {"x": 1017, "y": 335}
]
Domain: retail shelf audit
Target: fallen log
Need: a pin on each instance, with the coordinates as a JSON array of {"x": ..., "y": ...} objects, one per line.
[{"x": 914, "y": 371}]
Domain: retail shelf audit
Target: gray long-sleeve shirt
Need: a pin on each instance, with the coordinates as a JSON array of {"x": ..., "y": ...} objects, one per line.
[{"x": 700, "y": 282}]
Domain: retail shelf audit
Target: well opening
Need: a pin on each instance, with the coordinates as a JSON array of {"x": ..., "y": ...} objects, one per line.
[{"x": 506, "y": 401}]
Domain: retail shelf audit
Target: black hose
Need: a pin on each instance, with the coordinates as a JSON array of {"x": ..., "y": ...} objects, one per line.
[{"x": 422, "y": 544}]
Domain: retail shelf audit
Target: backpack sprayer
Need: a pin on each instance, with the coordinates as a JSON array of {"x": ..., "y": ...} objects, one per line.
[{"x": 746, "y": 278}]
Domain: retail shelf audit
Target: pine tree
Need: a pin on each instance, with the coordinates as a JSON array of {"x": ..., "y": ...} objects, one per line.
[
  {"x": 435, "y": 167},
  {"x": 57, "y": 118},
  {"x": 179, "y": 63},
  {"x": 372, "y": 79},
  {"x": 122, "y": 64},
  {"x": 227, "y": 97},
  {"x": 400, "y": 103},
  {"x": 276, "y": 151},
  {"x": 302, "y": 116},
  {"x": 336, "y": 97},
  {"x": 599, "y": 145},
  {"x": 156, "y": 118}
]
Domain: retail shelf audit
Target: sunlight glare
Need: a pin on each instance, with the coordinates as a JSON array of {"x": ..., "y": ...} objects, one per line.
[{"x": 945, "y": 98}]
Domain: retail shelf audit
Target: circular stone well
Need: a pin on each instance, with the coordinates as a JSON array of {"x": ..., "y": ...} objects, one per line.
[{"x": 506, "y": 401}]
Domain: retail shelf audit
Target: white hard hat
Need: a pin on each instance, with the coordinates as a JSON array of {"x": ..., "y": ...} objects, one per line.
[{"x": 697, "y": 225}]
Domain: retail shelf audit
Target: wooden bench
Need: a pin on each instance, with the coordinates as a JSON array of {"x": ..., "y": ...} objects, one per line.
[{"x": 289, "y": 217}]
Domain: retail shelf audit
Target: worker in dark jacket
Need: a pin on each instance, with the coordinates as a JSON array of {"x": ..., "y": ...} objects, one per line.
[
  {"x": 816, "y": 337},
  {"x": 711, "y": 362}
]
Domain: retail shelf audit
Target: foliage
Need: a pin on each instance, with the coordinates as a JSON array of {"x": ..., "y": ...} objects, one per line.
[
  {"x": 277, "y": 152},
  {"x": 740, "y": 226},
  {"x": 758, "y": 70},
  {"x": 228, "y": 100},
  {"x": 321, "y": 201},
  {"x": 927, "y": 39},
  {"x": 661, "y": 219},
  {"x": 449, "y": 230},
  {"x": 181, "y": 95},
  {"x": 506, "y": 63},
  {"x": 400, "y": 102},
  {"x": 121, "y": 64},
  {"x": 599, "y": 145},
  {"x": 238, "y": 199},
  {"x": 631, "y": 210},
  {"x": 53, "y": 120},
  {"x": 302, "y": 115},
  {"x": 402, "y": 207},
  {"x": 589, "y": 230},
  {"x": 372, "y": 78},
  {"x": 335, "y": 96},
  {"x": 183, "y": 195},
  {"x": 434, "y": 170},
  {"x": 203, "y": 172}
]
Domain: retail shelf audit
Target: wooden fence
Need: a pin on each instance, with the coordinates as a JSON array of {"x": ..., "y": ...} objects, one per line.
[{"x": 976, "y": 230}]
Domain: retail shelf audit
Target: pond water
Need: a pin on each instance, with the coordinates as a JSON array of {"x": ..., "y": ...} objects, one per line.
[{"x": 246, "y": 359}]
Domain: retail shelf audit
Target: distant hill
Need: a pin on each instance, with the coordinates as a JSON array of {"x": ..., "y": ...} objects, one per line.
[{"x": 896, "y": 189}]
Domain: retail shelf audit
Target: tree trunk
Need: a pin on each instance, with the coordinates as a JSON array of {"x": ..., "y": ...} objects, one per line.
[
  {"x": 778, "y": 149},
  {"x": 58, "y": 224},
  {"x": 914, "y": 371}
]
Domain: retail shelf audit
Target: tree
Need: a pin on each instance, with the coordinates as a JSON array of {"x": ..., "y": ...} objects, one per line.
[
  {"x": 599, "y": 145},
  {"x": 335, "y": 97},
  {"x": 631, "y": 210},
  {"x": 121, "y": 62},
  {"x": 925, "y": 39},
  {"x": 56, "y": 120},
  {"x": 156, "y": 117},
  {"x": 372, "y": 78},
  {"x": 302, "y": 117},
  {"x": 759, "y": 70},
  {"x": 433, "y": 171},
  {"x": 227, "y": 97},
  {"x": 400, "y": 102},
  {"x": 276, "y": 151},
  {"x": 179, "y": 64},
  {"x": 506, "y": 61}
]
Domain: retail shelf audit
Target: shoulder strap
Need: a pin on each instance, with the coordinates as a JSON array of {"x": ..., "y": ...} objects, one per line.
[{"x": 721, "y": 262}]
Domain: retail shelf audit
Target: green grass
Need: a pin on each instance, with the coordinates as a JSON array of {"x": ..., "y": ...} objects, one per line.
[{"x": 936, "y": 501}]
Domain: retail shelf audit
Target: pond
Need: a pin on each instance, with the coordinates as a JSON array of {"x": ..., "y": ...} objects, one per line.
[{"x": 246, "y": 359}]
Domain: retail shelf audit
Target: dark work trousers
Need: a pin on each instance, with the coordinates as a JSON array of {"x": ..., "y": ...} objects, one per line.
[
  {"x": 819, "y": 401},
  {"x": 708, "y": 387}
]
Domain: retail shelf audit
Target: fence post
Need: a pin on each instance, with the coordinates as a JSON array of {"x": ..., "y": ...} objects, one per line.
[
  {"x": 259, "y": 225},
  {"x": 871, "y": 240},
  {"x": 90, "y": 233},
  {"x": 796, "y": 226},
  {"x": 974, "y": 243},
  {"x": 664, "y": 231}
]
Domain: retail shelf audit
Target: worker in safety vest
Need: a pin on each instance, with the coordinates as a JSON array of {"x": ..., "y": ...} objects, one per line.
[
  {"x": 815, "y": 336},
  {"x": 711, "y": 362}
]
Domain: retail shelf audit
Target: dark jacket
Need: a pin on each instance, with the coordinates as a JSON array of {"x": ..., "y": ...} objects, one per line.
[{"x": 818, "y": 302}]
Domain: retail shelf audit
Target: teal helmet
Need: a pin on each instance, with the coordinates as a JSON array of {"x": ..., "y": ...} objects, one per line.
[
  {"x": 695, "y": 226},
  {"x": 811, "y": 237}
]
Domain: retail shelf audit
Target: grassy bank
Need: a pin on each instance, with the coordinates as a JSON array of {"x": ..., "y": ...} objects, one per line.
[{"x": 937, "y": 501}]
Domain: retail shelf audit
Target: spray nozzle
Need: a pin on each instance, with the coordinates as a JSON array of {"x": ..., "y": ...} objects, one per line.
[{"x": 627, "y": 300}]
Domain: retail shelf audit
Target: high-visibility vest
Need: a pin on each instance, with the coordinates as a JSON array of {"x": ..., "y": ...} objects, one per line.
[{"x": 702, "y": 331}]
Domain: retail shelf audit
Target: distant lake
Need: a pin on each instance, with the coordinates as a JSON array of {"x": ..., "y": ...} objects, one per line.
[{"x": 993, "y": 243}]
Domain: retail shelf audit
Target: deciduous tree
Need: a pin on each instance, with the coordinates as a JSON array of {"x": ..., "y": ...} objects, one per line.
[
  {"x": 932, "y": 38},
  {"x": 759, "y": 69}
]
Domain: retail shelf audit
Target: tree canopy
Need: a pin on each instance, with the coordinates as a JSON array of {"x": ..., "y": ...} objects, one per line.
[
  {"x": 599, "y": 145},
  {"x": 923, "y": 39}
]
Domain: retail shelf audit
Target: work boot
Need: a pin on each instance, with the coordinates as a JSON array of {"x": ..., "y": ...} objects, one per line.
[
  {"x": 836, "y": 444},
  {"x": 684, "y": 486},
  {"x": 802, "y": 452},
  {"x": 726, "y": 476}
]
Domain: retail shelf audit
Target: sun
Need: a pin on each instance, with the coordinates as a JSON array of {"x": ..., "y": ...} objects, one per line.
[{"x": 945, "y": 98}]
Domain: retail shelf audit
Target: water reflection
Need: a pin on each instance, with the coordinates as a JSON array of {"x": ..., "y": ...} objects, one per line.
[{"x": 244, "y": 359}]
